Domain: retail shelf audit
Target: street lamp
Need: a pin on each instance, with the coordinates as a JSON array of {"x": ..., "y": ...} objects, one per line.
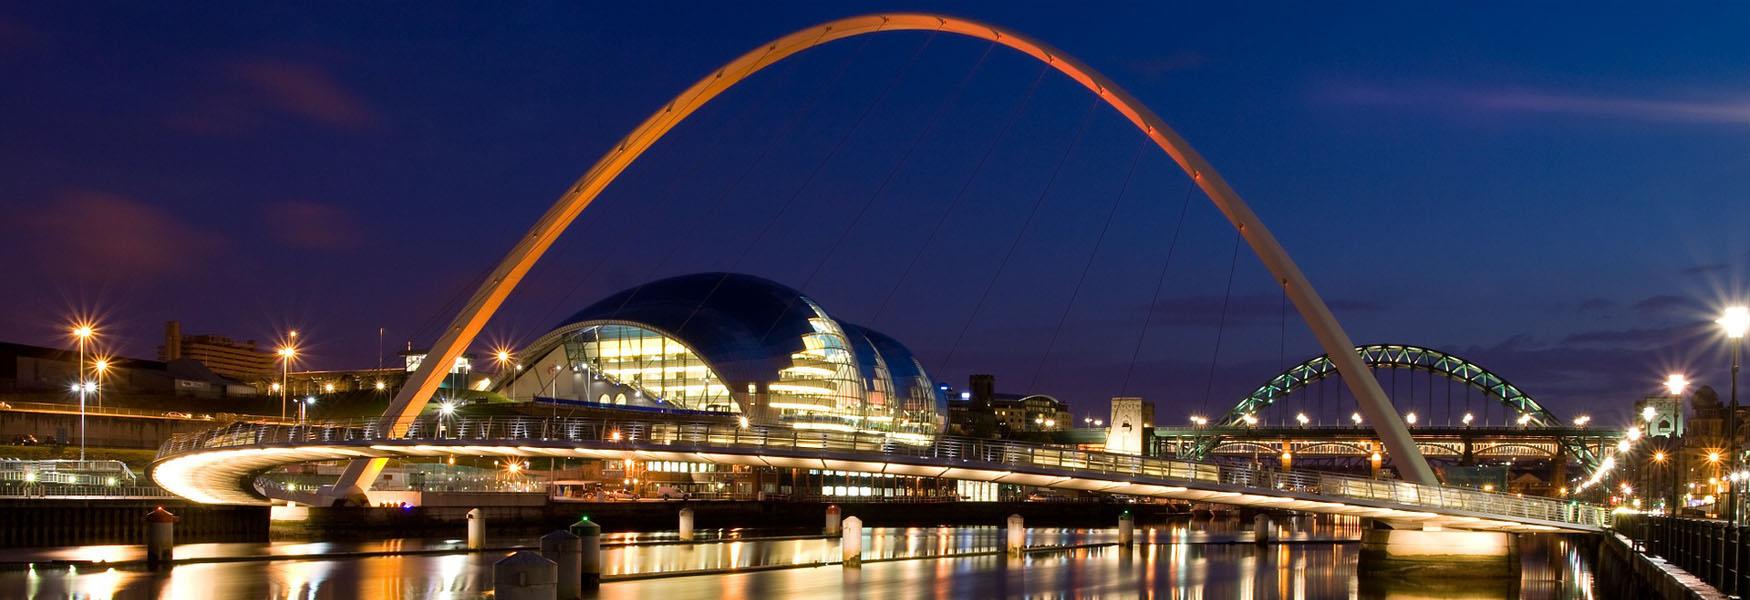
[
  {"x": 99, "y": 368},
  {"x": 1676, "y": 383},
  {"x": 1581, "y": 421},
  {"x": 502, "y": 356},
  {"x": 1302, "y": 419},
  {"x": 1410, "y": 419},
  {"x": 286, "y": 354},
  {"x": 1735, "y": 322},
  {"x": 1467, "y": 419},
  {"x": 1356, "y": 417},
  {"x": 82, "y": 333}
]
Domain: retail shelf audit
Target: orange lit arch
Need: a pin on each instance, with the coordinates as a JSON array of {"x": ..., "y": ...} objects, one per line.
[{"x": 454, "y": 339}]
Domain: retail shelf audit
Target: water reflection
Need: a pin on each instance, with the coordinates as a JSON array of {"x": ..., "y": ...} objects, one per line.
[{"x": 1186, "y": 560}]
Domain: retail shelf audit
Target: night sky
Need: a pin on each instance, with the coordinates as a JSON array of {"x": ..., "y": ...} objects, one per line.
[{"x": 1557, "y": 193}]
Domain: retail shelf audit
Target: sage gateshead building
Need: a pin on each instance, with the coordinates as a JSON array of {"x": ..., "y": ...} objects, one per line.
[{"x": 731, "y": 345}]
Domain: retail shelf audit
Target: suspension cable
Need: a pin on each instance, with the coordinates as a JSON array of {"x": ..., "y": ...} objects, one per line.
[
  {"x": 813, "y": 173},
  {"x": 1051, "y": 182},
  {"x": 1009, "y": 121},
  {"x": 1221, "y": 326},
  {"x": 1076, "y": 292},
  {"x": 1160, "y": 284},
  {"x": 759, "y": 102},
  {"x": 941, "y": 110},
  {"x": 797, "y": 118}
]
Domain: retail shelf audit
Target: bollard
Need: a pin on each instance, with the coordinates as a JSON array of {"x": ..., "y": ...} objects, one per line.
[
  {"x": 567, "y": 551},
  {"x": 851, "y": 542},
  {"x": 1261, "y": 529},
  {"x": 160, "y": 538},
  {"x": 1017, "y": 535},
  {"x": 476, "y": 530},
  {"x": 1126, "y": 528},
  {"x": 525, "y": 576},
  {"x": 686, "y": 524},
  {"x": 589, "y": 537},
  {"x": 832, "y": 519}
]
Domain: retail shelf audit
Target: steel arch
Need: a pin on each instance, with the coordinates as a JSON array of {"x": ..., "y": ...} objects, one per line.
[
  {"x": 1397, "y": 356},
  {"x": 516, "y": 264}
]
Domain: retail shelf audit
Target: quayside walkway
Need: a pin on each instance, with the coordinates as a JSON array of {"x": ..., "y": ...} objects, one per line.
[{"x": 222, "y": 466}]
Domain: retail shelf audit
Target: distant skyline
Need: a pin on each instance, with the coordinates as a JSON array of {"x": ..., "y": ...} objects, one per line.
[{"x": 1558, "y": 195}]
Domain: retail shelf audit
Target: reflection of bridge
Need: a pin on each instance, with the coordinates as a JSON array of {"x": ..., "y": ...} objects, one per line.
[{"x": 221, "y": 466}]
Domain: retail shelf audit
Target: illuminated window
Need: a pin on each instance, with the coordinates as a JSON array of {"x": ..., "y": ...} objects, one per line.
[{"x": 656, "y": 366}]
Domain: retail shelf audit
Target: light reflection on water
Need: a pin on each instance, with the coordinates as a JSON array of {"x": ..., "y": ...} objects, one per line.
[{"x": 1221, "y": 564}]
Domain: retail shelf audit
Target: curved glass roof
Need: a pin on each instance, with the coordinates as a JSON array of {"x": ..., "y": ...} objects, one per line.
[{"x": 776, "y": 354}]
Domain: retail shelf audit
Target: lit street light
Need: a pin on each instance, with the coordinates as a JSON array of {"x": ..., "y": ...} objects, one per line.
[
  {"x": 1735, "y": 322},
  {"x": 1675, "y": 383},
  {"x": 286, "y": 354},
  {"x": 100, "y": 368},
  {"x": 1581, "y": 421},
  {"x": 1467, "y": 419},
  {"x": 82, "y": 332},
  {"x": 1302, "y": 419},
  {"x": 1410, "y": 419}
]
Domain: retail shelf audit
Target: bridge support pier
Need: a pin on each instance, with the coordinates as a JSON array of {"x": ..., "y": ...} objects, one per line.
[
  {"x": 1126, "y": 529},
  {"x": 1262, "y": 528},
  {"x": 686, "y": 525},
  {"x": 1432, "y": 551}
]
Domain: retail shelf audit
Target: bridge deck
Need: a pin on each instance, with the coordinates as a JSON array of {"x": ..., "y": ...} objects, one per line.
[{"x": 220, "y": 465}]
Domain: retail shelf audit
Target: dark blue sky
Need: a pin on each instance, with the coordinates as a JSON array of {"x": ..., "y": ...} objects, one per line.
[{"x": 1557, "y": 194}]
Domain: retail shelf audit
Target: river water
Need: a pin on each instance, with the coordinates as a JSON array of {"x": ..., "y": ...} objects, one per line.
[{"x": 1213, "y": 560}]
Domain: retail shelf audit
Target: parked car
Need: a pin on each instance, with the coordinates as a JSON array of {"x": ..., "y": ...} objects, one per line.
[
  {"x": 178, "y": 415},
  {"x": 24, "y": 439}
]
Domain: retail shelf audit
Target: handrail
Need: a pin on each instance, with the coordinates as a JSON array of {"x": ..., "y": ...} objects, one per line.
[{"x": 994, "y": 452}]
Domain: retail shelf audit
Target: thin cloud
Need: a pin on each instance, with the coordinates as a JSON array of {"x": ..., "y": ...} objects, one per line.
[
  {"x": 303, "y": 90},
  {"x": 1707, "y": 269},
  {"x": 252, "y": 93},
  {"x": 313, "y": 225},
  {"x": 1719, "y": 109},
  {"x": 100, "y": 235},
  {"x": 1663, "y": 304}
]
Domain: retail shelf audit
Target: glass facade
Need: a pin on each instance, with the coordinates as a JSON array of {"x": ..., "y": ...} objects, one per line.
[
  {"x": 654, "y": 365},
  {"x": 735, "y": 344}
]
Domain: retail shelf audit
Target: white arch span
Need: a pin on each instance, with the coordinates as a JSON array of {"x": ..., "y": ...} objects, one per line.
[{"x": 1336, "y": 343}]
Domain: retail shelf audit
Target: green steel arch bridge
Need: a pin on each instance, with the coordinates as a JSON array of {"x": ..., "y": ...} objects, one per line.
[{"x": 1531, "y": 420}]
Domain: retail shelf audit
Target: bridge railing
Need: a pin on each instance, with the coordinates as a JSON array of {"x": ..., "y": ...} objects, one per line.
[{"x": 951, "y": 451}]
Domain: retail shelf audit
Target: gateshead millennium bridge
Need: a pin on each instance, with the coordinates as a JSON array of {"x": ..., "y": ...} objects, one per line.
[{"x": 222, "y": 465}]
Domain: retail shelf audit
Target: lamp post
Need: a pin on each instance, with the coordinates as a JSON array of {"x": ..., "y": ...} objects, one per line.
[
  {"x": 1735, "y": 322},
  {"x": 287, "y": 353},
  {"x": 1676, "y": 383},
  {"x": 503, "y": 358},
  {"x": 82, "y": 333},
  {"x": 98, "y": 369},
  {"x": 1251, "y": 423}
]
